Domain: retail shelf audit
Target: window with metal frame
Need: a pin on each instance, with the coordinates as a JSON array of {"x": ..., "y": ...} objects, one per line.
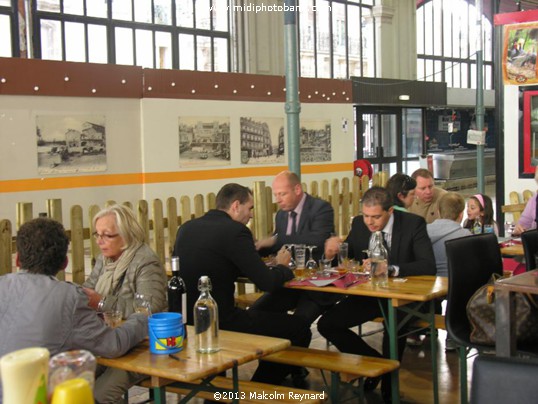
[
  {"x": 447, "y": 43},
  {"x": 336, "y": 38},
  {"x": 168, "y": 34},
  {"x": 9, "y": 44}
]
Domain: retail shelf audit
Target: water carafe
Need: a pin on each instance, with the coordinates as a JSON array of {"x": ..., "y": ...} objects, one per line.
[
  {"x": 379, "y": 259},
  {"x": 206, "y": 319}
]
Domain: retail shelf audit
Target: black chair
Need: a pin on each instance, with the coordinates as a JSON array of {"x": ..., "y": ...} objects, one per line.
[
  {"x": 471, "y": 262},
  {"x": 504, "y": 380},
  {"x": 529, "y": 239}
]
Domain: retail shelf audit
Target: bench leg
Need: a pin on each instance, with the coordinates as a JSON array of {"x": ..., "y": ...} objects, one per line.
[
  {"x": 335, "y": 387},
  {"x": 433, "y": 340}
]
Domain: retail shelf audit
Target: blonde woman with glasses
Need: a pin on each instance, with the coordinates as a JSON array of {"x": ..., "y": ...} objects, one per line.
[{"x": 127, "y": 266}]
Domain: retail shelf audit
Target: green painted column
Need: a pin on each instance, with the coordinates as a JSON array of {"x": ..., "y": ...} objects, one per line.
[{"x": 293, "y": 106}]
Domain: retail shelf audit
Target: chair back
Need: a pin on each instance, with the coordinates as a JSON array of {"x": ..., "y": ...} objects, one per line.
[
  {"x": 529, "y": 239},
  {"x": 471, "y": 262},
  {"x": 504, "y": 380}
]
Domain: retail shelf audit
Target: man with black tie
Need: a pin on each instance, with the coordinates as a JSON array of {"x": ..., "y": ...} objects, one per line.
[
  {"x": 410, "y": 253},
  {"x": 302, "y": 219}
]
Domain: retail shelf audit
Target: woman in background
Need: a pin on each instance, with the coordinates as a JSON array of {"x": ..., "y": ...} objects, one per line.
[{"x": 402, "y": 189}]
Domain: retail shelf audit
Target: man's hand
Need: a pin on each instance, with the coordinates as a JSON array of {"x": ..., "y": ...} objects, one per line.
[
  {"x": 93, "y": 297},
  {"x": 266, "y": 242},
  {"x": 283, "y": 257},
  {"x": 332, "y": 246}
]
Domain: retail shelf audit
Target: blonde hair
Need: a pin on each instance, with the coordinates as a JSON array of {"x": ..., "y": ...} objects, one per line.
[
  {"x": 451, "y": 205},
  {"x": 128, "y": 227}
]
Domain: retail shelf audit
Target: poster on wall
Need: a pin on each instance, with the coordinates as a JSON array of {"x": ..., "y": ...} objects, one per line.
[
  {"x": 519, "y": 53},
  {"x": 204, "y": 141},
  {"x": 70, "y": 144},
  {"x": 315, "y": 141},
  {"x": 262, "y": 140}
]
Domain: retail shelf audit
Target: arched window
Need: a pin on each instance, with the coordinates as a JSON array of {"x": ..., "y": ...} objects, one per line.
[
  {"x": 446, "y": 43},
  {"x": 336, "y": 38},
  {"x": 179, "y": 34}
]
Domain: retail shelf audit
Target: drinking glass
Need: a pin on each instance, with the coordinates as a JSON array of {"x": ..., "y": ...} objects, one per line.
[
  {"x": 508, "y": 230},
  {"x": 71, "y": 365},
  {"x": 142, "y": 303},
  {"x": 311, "y": 264},
  {"x": 300, "y": 256},
  {"x": 325, "y": 266},
  {"x": 112, "y": 318},
  {"x": 291, "y": 264},
  {"x": 343, "y": 260}
]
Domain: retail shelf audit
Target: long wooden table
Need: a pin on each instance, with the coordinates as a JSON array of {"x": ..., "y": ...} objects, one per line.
[
  {"x": 415, "y": 289},
  {"x": 190, "y": 367},
  {"x": 505, "y": 334}
]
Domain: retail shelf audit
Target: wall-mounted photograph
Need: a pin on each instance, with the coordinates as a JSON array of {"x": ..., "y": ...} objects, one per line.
[
  {"x": 70, "y": 144},
  {"x": 315, "y": 142},
  {"x": 204, "y": 141},
  {"x": 262, "y": 140}
]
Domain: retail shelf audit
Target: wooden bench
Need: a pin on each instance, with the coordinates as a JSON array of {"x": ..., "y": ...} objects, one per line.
[
  {"x": 250, "y": 392},
  {"x": 517, "y": 205},
  {"x": 419, "y": 323},
  {"x": 344, "y": 368}
]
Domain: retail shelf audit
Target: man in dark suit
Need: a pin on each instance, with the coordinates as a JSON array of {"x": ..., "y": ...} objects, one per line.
[
  {"x": 220, "y": 246},
  {"x": 302, "y": 219},
  {"x": 410, "y": 253}
]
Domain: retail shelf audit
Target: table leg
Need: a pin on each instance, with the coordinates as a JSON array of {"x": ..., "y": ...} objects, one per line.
[
  {"x": 235, "y": 381},
  {"x": 433, "y": 340},
  {"x": 392, "y": 329},
  {"x": 159, "y": 395},
  {"x": 505, "y": 332}
]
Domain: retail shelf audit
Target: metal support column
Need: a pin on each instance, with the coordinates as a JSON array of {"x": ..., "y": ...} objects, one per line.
[{"x": 293, "y": 107}]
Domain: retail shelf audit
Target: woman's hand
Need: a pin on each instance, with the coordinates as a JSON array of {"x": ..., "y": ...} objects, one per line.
[
  {"x": 518, "y": 230},
  {"x": 93, "y": 297}
]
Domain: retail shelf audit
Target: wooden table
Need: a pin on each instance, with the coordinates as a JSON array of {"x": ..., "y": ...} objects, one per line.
[
  {"x": 192, "y": 367},
  {"x": 415, "y": 289},
  {"x": 512, "y": 250},
  {"x": 505, "y": 333}
]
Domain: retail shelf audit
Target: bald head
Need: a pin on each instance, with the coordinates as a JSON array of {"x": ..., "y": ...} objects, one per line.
[{"x": 287, "y": 190}]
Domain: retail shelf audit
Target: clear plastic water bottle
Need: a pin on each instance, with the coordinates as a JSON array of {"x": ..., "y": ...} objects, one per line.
[
  {"x": 206, "y": 319},
  {"x": 379, "y": 256}
]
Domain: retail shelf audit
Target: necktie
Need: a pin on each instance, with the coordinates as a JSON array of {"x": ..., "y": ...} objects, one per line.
[
  {"x": 385, "y": 243},
  {"x": 293, "y": 216}
]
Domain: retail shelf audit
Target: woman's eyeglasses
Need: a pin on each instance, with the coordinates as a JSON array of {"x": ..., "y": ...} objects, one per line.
[
  {"x": 407, "y": 184},
  {"x": 104, "y": 237}
]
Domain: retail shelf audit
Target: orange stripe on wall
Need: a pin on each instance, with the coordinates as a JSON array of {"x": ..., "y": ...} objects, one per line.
[{"x": 43, "y": 184}]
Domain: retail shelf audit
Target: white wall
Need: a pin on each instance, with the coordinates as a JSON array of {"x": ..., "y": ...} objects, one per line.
[{"x": 142, "y": 137}]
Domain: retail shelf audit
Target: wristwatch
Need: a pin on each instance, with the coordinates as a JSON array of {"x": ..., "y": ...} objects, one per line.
[{"x": 394, "y": 270}]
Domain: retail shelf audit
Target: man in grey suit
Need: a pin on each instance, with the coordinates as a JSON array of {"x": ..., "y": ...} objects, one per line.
[{"x": 302, "y": 219}]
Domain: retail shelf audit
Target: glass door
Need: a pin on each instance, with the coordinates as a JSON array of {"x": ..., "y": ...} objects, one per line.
[{"x": 390, "y": 138}]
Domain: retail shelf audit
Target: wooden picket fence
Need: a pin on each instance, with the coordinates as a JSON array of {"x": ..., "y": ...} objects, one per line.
[{"x": 344, "y": 196}]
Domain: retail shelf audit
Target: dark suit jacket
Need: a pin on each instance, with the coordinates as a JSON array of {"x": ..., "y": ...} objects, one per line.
[
  {"x": 411, "y": 248},
  {"x": 223, "y": 249},
  {"x": 315, "y": 226}
]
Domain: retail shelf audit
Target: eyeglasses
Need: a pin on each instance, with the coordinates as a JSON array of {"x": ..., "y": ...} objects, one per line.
[
  {"x": 104, "y": 237},
  {"x": 406, "y": 184}
]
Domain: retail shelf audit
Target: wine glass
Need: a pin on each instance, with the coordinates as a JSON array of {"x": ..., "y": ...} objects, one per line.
[
  {"x": 311, "y": 264},
  {"x": 508, "y": 230},
  {"x": 142, "y": 303},
  {"x": 291, "y": 264}
]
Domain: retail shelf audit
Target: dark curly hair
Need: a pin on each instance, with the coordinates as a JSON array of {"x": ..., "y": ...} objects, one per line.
[{"x": 42, "y": 246}]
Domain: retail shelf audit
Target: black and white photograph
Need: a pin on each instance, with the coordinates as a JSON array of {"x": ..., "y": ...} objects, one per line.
[
  {"x": 70, "y": 144},
  {"x": 262, "y": 140},
  {"x": 315, "y": 141},
  {"x": 204, "y": 141}
]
